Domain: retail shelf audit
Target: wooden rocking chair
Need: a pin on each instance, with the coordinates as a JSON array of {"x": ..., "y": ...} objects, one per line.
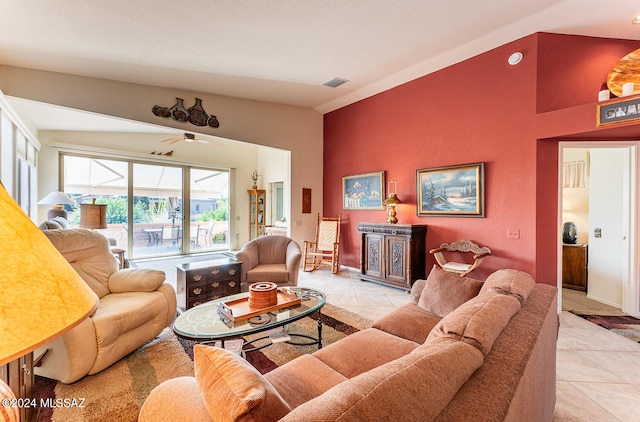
[
  {"x": 460, "y": 268},
  {"x": 326, "y": 247}
]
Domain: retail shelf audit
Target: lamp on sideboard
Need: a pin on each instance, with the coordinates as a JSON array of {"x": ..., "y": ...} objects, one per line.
[
  {"x": 93, "y": 216},
  {"x": 41, "y": 295},
  {"x": 392, "y": 202},
  {"x": 57, "y": 199}
]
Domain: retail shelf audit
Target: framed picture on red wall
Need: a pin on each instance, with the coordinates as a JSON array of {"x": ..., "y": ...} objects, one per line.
[
  {"x": 363, "y": 191},
  {"x": 456, "y": 191}
]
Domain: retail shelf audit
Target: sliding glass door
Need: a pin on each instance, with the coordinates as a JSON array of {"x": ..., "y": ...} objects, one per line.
[
  {"x": 209, "y": 209},
  {"x": 146, "y": 204},
  {"x": 157, "y": 195}
]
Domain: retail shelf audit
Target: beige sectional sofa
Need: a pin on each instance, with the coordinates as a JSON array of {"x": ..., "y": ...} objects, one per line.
[
  {"x": 461, "y": 350},
  {"x": 134, "y": 306}
]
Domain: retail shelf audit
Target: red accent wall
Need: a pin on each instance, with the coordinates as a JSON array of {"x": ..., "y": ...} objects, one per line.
[{"x": 480, "y": 110}]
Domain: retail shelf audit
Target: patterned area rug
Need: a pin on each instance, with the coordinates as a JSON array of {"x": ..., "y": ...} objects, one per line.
[
  {"x": 117, "y": 393},
  {"x": 624, "y": 325}
]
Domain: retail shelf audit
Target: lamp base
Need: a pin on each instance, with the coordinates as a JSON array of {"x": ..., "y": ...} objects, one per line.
[
  {"x": 57, "y": 211},
  {"x": 392, "y": 215}
]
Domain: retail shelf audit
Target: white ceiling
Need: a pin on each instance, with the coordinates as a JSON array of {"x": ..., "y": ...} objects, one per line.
[{"x": 281, "y": 51}]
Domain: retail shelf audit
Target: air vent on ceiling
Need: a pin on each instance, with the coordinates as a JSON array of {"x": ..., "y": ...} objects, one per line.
[{"x": 335, "y": 82}]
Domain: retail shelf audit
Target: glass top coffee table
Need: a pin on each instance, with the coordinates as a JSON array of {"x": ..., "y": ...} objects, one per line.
[{"x": 205, "y": 323}]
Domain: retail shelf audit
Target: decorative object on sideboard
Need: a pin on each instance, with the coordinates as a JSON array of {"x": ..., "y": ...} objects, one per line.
[
  {"x": 93, "y": 216},
  {"x": 196, "y": 115},
  {"x": 392, "y": 202},
  {"x": 58, "y": 200},
  {"x": 451, "y": 191},
  {"x": 33, "y": 313}
]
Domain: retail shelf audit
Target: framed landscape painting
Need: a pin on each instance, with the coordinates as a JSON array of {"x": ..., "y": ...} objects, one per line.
[
  {"x": 363, "y": 191},
  {"x": 451, "y": 191}
]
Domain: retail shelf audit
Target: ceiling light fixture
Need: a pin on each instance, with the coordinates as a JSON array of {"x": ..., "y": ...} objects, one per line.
[
  {"x": 335, "y": 82},
  {"x": 636, "y": 20}
]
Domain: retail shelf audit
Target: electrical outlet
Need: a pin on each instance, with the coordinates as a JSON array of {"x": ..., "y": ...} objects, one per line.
[{"x": 513, "y": 234}]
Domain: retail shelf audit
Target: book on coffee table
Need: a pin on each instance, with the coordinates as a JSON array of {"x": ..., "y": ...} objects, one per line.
[
  {"x": 234, "y": 346},
  {"x": 278, "y": 335}
]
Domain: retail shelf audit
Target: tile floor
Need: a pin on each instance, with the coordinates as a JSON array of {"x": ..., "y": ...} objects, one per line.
[{"x": 598, "y": 372}]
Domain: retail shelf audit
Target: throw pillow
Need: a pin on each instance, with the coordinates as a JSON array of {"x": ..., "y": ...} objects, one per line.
[
  {"x": 444, "y": 291},
  {"x": 509, "y": 282},
  {"x": 233, "y": 390}
]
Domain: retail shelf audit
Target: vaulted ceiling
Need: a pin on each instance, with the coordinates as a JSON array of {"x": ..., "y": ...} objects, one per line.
[{"x": 282, "y": 51}]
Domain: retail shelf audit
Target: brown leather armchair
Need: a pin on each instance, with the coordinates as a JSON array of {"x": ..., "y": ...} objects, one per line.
[{"x": 270, "y": 258}]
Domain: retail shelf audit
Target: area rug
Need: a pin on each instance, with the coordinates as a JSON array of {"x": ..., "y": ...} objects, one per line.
[
  {"x": 118, "y": 392},
  {"x": 624, "y": 325}
]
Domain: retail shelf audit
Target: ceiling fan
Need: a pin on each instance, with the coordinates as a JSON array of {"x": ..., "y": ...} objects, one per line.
[{"x": 191, "y": 138}]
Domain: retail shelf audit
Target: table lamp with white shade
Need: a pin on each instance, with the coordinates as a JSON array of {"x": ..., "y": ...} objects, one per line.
[
  {"x": 58, "y": 200},
  {"x": 41, "y": 295}
]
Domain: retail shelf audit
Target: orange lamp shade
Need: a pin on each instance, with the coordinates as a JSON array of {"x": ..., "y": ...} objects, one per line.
[{"x": 41, "y": 296}]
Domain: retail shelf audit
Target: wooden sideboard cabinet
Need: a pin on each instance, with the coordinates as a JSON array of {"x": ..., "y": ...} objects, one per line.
[
  {"x": 393, "y": 254},
  {"x": 200, "y": 282},
  {"x": 574, "y": 266}
]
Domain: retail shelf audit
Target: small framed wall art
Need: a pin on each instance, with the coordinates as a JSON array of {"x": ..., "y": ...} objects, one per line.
[
  {"x": 363, "y": 191},
  {"x": 456, "y": 191},
  {"x": 306, "y": 200}
]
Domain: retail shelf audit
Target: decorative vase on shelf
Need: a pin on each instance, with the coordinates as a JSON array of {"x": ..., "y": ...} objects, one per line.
[
  {"x": 178, "y": 111},
  {"x": 213, "y": 122},
  {"x": 161, "y": 111},
  {"x": 197, "y": 115}
]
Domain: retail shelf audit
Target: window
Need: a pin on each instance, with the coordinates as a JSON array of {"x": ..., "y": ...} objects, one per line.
[{"x": 145, "y": 203}]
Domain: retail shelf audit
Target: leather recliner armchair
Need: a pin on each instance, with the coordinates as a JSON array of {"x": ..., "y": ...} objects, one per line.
[
  {"x": 135, "y": 305},
  {"x": 270, "y": 258}
]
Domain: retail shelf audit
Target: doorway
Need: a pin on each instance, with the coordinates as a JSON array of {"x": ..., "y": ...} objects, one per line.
[{"x": 598, "y": 193}]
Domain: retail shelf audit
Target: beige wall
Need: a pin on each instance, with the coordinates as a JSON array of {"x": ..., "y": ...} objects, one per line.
[{"x": 296, "y": 129}]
